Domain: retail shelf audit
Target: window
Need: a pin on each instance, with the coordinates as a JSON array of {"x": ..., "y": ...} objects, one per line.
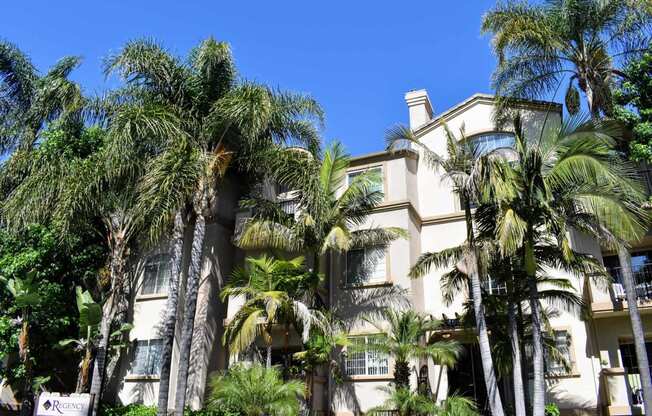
[
  {"x": 365, "y": 265},
  {"x": 377, "y": 178},
  {"x": 628, "y": 357},
  {"x": 485, "y": 143},
  {"x": 361, "y": 361},
  {"x": 147, "y": 357},
  {"x": 559, "y": 364},
  {"x": 494, "y": 287},
  {"x": 156, "y": 275}
]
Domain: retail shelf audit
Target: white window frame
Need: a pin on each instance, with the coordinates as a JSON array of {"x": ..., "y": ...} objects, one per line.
[
  {"x": 372, "y": 278},
  {"x": 161, "y": 286},
  {"x": 376, "y": 364},
  {"x": 152, "y": 369},
  {"x": 379, "y": 168}
]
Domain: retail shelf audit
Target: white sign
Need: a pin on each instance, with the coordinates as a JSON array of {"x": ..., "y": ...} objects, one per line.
[{"x": 53, "y": 404}]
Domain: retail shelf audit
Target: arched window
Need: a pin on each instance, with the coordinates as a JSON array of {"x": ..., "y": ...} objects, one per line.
[{"x": 486, "y": 142}]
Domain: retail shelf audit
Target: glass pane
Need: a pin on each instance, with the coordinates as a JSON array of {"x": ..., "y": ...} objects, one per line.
[
  {"x": 377, "y": 362},
  {"x": 375, "y": 263},
  {"x": 485, "y": 143},
  {"x": 139, "y": 364},
  {"x": 154, "y": 358},
  {"x": 355, "y": 360},
  {"x": 164, "y": 271},
  {"x": 355, "y": 271},
  {"x": 149, "y": 279}
]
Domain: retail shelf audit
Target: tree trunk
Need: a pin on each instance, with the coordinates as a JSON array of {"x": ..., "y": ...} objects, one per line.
[
  {"x": 170, "y": 321},
  {"x": 637, "y": 327},
  {"x": 517, "y": 371},
  {"x": 192, "y": 291},
  {"x": 27, "y": 404},
  {"x": 118, "y": 261},
  {"x": 538, "y": 395},
  {"x": 490, "y": 381},
  {"x": 100, "y": 357},
  {"x": 268, "y": 361},
  {"x": 402, "y": 374}
]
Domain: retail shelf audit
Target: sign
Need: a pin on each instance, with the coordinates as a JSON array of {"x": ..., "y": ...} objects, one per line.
[{"x": 54, "y": 404}]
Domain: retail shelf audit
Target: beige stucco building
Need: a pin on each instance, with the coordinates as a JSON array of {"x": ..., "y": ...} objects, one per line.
[{"x": 602, "y": 377}]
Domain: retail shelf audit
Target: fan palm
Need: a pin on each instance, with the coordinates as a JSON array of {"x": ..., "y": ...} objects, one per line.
[
  {"x": 464, "y": 168},
  {"x": 404, "y": 332},
  {"x": 276, "y": 292},
  {"x": 577, "y": 41},
  {"x": 565, "y": 178},
  {"x": 223, "y": 121},
  {"x": 255, "y": 391}
]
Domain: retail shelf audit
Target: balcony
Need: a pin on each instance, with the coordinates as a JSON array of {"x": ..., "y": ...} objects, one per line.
[
  {"x": 289, "y": 206},
  {"x": 615, "y": 300},
  {"x": 623, "y": 392}
]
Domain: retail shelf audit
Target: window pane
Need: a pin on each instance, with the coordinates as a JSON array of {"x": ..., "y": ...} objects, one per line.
[
  {"x": 163, "y": 276},
  {"x": 355, "y": 360},
  {"x": 139, "y": 364},
  {"x": 377, "y": 173},
  {"x": 377, "y": 362},
  {"x": 562, "y": 344},
  {"x": 375, "y": 262},
  {"x": 149, "y": 279},
  {"x": 154, "y": 358},
  {"x": 355, "y": 271},
  {"x": 485, "y": 143}
]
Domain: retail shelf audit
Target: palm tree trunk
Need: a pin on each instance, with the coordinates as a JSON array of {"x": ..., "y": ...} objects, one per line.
[
  {"x": 517, "y": 371},
  {"x": 170, "y": 321},
  {"x": 538, "y": 396},
  {"x": 402, "y": 374},
  {"x": 27, "y": 404},
  {"x": 490, "y": 381},
  {"x": 118, "y": 261},
  {"x": 637, "y": 327},
  {"x": 525, "y": 378},
  {"x": 268, "y": 361},
  {"x": 192, "y": 291}
]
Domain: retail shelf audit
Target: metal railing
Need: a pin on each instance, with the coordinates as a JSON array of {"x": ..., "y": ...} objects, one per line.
[
  {"x": 642, "y": 282},
  {"x": 289, "y": 206}
]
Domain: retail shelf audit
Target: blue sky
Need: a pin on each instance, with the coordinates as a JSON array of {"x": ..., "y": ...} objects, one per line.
[{"x": 357, "y": 58}]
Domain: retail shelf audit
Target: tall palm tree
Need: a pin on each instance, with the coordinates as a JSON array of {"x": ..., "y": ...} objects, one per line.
[
  {"x": 404, "y": 334},
  {"x": 540, "y": 46},
  {"x": 562, "y": 179},
  {"x": 276, "y": 292},
  {"x": 464, "y": 168},
  {"x": 255, "y": 391},
  {"x": 225, "y": 123},
  {"x": 581, "y": 41}
]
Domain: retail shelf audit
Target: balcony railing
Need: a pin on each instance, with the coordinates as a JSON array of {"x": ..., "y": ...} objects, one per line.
[{"x": 642, "y": 282}]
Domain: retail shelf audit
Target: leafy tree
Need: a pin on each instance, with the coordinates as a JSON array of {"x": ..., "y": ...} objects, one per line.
[
  {"x": 276, "y": 292},
  {"x": 405, "y": 332},
  {"x": 465, "y": 169},
  {"x": 223, "y": 125},
  {"x": 58, "y": 267},
  {"x": 634, "y": 106},
  {"x": 540, "y": 46},
  {"x": 255, "y": 391}
]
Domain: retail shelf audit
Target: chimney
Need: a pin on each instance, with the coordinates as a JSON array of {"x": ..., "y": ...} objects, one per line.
[{"x": 419, "y": 108}]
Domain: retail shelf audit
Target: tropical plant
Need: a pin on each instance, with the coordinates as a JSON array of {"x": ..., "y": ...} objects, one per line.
[
  {"x": 405, "y": 402},
  {"x": 540, "y": 46},
  {"x": 25, "y": 295},
  {"x": 404, "y": 332},
  {"x": 224, "y": 124},
  {"x": 329, "y": 217},
  {"x": 561, "y": 179},
  {"x": 255, "y": 391},
  {"x": 465, "y": 168},
  {"x": 276, "y": 292}
]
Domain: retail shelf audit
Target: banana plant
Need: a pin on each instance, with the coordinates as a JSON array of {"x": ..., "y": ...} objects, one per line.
[
  {"x": 25, "y": 294},
  {"x": 90, "y": 316}
]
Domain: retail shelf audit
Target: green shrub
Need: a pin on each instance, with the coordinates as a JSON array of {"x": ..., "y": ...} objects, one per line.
[
  {"x": 552, "y": 409},
  {"x": 133, "y": 409},
  {"x": 210, "y": 412}
]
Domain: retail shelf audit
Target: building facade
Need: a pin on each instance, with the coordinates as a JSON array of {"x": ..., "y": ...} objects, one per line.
[{"x": 602, "y": 378}]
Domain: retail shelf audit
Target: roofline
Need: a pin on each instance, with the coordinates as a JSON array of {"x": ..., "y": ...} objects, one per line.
[
  {"x": 478, "y": 97},
  {"x": 383, "y": 155}
]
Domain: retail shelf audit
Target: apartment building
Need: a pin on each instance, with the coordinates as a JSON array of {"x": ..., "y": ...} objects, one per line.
[{"x": 603, "y": 375}]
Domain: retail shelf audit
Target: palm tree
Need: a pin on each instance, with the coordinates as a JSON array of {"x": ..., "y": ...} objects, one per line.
[
  {"x": 579, "y": 42},
  {"x": 223, "y": 122},
  {"x": 276, "y": 292},
  {"x": 255, "y": 391},
  {"x": 404, "y": 332},
  {"x": 565, "y": 178},
  {"x": 405, "y": 402},
  {"x": 464, "y": 168},
  {"x": 325, "y": 221}
]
